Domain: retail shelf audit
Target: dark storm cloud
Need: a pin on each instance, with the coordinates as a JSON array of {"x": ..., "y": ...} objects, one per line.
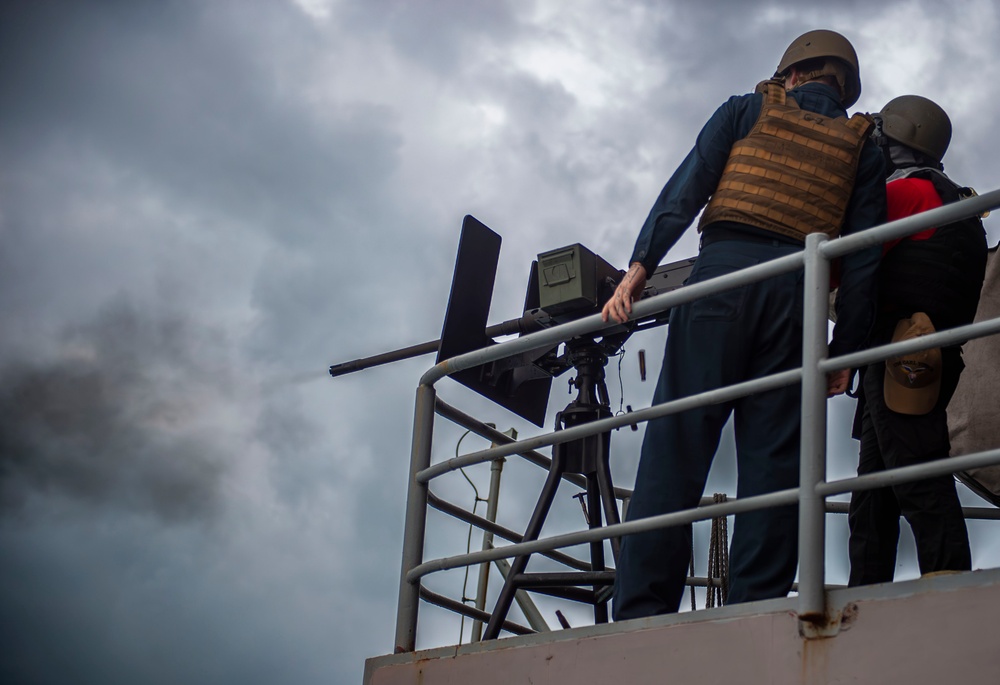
[
  {"x": 259, "y": 192},
  {"x": 110, "y": 418},
  {"x": 118, "y": 599}
]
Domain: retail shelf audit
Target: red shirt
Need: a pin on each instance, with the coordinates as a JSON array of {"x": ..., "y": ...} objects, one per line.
[{"x": 906, "y": 197}]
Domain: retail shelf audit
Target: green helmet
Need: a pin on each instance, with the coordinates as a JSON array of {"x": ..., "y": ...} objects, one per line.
[
  {"x": 833, "y": 46},
  {"x": 919, "y": 123}
]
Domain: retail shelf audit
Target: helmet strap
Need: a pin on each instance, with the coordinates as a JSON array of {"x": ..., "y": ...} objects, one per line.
[{"x": 879, "y": 137}]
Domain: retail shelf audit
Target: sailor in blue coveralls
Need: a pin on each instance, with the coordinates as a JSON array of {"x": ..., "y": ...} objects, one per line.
[{"x": 751, "y": 331}]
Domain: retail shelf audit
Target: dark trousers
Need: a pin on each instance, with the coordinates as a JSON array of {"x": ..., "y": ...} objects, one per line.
[
  {"x": 930, "y": 506},
  {"x": 733, "y": 336}
]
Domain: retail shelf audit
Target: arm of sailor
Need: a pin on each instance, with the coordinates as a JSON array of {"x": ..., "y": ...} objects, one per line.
[{"x": 619, "y": 307}]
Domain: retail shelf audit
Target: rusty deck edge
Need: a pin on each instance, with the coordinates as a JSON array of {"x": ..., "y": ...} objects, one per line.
[{"x": 837, "y": 600}]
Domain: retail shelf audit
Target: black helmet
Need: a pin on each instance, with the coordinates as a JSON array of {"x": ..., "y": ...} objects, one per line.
[
  {"x": 832, "y": 46},
  {"x": 918, "y": 123}
]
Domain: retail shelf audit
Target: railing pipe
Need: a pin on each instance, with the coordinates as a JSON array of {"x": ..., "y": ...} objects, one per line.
[
  {"x": 466, "y": 516},
  {"x": 906, "y": 226},
  {"x": 952, "y": 336},
  {"x": 731, "y": 392},
  {"x": 728, "y": 508},
  {"x": 593, "y": 323},
  {"x": 771, "y": 499},
  {"x": 970, "y": 513},
  {"x": 471, "y": 612},
  {"x": 908, "y": 474},
  {"x": 416, "y": 520},
  {"x": 812, "y": 598}
]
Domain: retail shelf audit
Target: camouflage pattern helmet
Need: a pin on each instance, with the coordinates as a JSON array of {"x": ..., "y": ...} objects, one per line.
[
  {"x": 918, "y": 123},
  {"x": 822, "y": 43}
]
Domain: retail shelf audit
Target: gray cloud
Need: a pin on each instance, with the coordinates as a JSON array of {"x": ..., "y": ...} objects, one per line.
[
  {"x": 458, "y": 29},
  {"x": 185, "y": 95},
  {"x": 203, "y": 205}
]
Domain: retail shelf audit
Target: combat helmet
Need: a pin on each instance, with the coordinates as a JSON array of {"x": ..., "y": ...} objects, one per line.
[
  {"x": 918, "y": 123},
  {"x": 822, "y": 43}
]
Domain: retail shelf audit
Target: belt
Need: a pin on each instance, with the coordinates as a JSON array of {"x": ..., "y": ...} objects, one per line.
[{"x": 717, "y": 234}]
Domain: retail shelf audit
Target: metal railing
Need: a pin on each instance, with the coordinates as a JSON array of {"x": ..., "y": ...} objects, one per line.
[{"x": 813, "y": 489}]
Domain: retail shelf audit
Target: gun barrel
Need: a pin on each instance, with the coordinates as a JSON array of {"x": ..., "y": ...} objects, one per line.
[
  {"x": 384, "y": 358},
  {"x": 526, "y": 324}
]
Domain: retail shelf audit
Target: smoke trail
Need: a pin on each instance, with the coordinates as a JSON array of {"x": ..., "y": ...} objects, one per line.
[
  {"x": 278, "y": 382},
  {"x": 125, "y": 413}
]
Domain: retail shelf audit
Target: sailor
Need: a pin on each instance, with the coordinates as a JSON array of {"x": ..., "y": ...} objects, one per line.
[
  {"x": 772, "y": 166},
  {"x": 930, "y": 281}
]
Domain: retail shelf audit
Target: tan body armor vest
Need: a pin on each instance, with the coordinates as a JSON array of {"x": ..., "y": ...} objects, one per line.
[{"x": 793, "y": 173}]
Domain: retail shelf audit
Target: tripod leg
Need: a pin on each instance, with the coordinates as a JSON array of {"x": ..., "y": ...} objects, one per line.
[
  {"x": 596, "y": 548},
  {"x": 517, "y": 567},
  {"x": 607, "y": 491}
]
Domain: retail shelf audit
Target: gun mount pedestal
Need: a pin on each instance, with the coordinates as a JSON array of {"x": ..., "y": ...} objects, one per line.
[{"x": 589, "y": 457}]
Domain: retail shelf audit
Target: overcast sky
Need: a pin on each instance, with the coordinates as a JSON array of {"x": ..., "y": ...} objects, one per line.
[{"x": 205, "y": 204}]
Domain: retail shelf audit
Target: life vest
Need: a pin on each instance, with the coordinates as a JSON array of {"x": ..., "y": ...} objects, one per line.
[{"x": 793, "y": 173}]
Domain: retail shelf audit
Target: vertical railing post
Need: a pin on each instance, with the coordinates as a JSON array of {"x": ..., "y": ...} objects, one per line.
[
  {"x": 812, "y": 534},
  {"x": 492, "y": 501},
  {"x": 416, "y": 519}
]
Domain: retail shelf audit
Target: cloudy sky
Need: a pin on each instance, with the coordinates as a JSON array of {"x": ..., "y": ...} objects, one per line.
[{"x": 205, "y": 204}]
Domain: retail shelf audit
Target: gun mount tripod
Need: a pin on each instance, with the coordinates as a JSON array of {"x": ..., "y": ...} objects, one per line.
[
  {"x": 575, "y": 283},
  {"x": 588, "y": 456}
]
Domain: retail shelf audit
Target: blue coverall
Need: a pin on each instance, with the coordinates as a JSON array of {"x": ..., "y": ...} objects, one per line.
[{"x": 727, "y": 338}]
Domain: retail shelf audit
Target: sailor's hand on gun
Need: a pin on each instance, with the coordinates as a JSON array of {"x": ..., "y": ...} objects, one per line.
[{"x": 619, "y": 307}]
